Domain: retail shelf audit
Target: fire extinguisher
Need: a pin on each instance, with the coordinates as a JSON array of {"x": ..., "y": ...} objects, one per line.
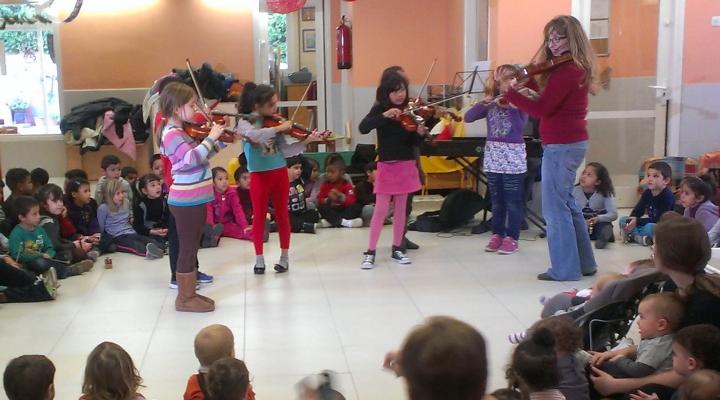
[{"x": 344, "y": 44}]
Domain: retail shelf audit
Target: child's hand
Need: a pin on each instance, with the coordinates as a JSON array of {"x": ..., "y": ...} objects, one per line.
[
  {"x": 632, "y": 223},
  {"x": 64, "y": 212},
  {"x": 284, "y": 126},
  {"x": 592, "y": 221},
  {"x": 46, "y": 256},
  {"x": 603, "y": 382},
  {"x": 315, "y": 136},
  {"x": 216, "y": 131},
  {"x": 392, "y": 113},
  {"x": 86, "y": 246},
  {"x": 9, "y": 261},
  {"x": 640, "y": 395},
  {"x": 158, "y": 232},
  {"x": 248, "y": 229}
]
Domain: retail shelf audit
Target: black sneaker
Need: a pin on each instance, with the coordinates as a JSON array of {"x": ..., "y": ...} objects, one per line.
[
  {"x": 279, "y": 268},
  {"x": 308, "y": 227},
  {"x": 368, "y": 260},
  {"x": 259, "y": 269},
  {"x": 398, "y": 255}
]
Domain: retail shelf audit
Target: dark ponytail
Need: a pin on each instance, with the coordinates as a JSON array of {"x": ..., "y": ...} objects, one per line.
[
  {"x": 534, "y": 362},
  {"x": 253, "y": 95}
]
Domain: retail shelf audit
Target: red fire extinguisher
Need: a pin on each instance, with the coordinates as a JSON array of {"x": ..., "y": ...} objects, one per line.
[{"x": 344, "y": 44}]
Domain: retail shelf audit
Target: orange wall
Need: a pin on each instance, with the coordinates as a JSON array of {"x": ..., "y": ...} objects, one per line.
[
  {"x": 516, "y": 27},
  {"x": 133, "y": 47},
  {"x": 633, "y": 38},
  {"x": 389, "y": 33},
  {"x": 701, "y": 51}
]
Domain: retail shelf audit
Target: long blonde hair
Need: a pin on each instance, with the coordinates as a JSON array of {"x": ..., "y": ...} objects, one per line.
[
  {"x": 582, "y": 53},
  {"x": 505, "y": 71},
  {"x": 112, "y": 186}
]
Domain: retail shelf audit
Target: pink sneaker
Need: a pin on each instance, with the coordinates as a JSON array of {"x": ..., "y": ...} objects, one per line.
[
  {"x": 508, "y": 246},
  {"x": 494, "y": 243}
]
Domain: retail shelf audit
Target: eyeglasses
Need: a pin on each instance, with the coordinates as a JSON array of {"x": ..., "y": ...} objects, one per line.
[{"x": 556, "y": 39}]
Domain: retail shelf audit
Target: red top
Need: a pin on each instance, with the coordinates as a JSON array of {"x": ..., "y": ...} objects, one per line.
[
  {"x": 345, "y": 187},
  {"x": 561, "y": 107}
]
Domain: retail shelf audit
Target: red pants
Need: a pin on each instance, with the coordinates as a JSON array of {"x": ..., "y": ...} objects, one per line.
[{"x": 266, "y": 185}]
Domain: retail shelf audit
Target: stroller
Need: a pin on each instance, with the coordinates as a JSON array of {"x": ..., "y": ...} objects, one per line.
[{"x": 606, "y": 318}]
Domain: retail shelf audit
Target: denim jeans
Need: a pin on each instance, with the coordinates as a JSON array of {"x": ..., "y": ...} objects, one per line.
[
  {"x": 643, "y": 230},
  {"x": 506, "y": 193},
  {"x": 571, "y": 252}
]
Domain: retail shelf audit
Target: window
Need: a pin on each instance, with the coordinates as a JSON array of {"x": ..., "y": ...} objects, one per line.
[{"x": 29, "y": 98}]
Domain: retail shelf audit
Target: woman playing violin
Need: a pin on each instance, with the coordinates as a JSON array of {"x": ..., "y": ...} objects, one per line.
[
  {"x": 397, "y": 171},
  {"x": 562, "y": 108},
  {"x": 266, "y": 148}
]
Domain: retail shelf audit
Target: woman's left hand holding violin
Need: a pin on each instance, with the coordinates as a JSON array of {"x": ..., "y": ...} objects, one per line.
[{"x": 315, "y": 136}]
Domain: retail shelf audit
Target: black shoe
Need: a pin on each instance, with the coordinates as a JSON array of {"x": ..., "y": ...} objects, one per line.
[
  {"x": 308, "y": 227},
  {"x": 410, "y": 245},
  {"x": 591, "y": 273},
  {"x": 281, "y": 268},
  {"x": 603, "y": 237},
  {"x": 259, "y": 269},
  {"x": 545, "y": 277}
]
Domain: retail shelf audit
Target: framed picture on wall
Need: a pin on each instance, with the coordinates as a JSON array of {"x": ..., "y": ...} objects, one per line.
[
  {"x": 308, "y": 40},
  {"x": 307, "y": 14}
]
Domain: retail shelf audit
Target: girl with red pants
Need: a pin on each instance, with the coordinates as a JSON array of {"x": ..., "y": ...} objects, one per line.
[{"x": 266, "y": 150}]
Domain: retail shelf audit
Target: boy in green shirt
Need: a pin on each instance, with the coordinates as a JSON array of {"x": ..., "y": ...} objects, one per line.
[{"x": 30, "y": 244}]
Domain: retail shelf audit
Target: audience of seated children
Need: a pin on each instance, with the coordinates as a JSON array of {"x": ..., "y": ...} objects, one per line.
[
  {"x": 595, "y": 195},
  {"x": 225, "y": 208},
  {"x": 114, "y": 219},
  {"x": 302, "y": 218},
  {"x": 29, "y": 377},
  {"x": 50, "y": 197},
  {"x": 110, "y": 374},
  {"x": 19, "y": 183},
  {"x": 336, "y": 200},
  {"x": 32, "y": 248},
  {"x": 212, "y": 343},
  {"x": 568, "y": 341},
  {"x": 152, "y": 215},
  {"x": 229, "y": 379},
  {"x": 311, "y": 185},
  {"x": 21, "y": 286},
  {"x": 659, "y": 316},
  {"x": 654, "y": 201},
  {"x": 364, "y": 193},
  {"x": 112, "y": 170},
  {"x": 696, "y": 196},
  {"x": 701, "y": 385},
  {"x": 130, "y": 174},
  {"x": 442, "y": 359},
  {"x": 533, "y": 367},
  {"x": 39, "y": 177}
]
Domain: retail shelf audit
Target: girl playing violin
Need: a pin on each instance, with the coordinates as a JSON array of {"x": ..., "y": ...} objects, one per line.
[
  {"x": 266, "y": 150},
  {"x": 191, "y": 189},
  {"x": 504, "y": 161},
  {"x": 397, "y": 172},
  {"x": 562, "y": 108}
]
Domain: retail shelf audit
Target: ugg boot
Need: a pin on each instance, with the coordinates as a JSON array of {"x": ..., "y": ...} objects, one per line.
[{"x": 187, "y": 300}]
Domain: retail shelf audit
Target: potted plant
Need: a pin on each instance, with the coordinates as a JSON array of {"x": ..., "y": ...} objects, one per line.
[{"x": 18, "y": 108}]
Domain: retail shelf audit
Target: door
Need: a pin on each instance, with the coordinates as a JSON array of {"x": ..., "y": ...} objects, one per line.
[
  {"x": 291, "y": 57},
  {"x": 627, "y": 118}
]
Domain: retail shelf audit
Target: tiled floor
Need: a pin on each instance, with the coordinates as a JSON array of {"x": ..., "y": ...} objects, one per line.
[{"x": 325, "y": 314}]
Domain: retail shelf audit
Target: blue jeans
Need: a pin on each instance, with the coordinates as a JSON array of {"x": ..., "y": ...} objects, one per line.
[
  {"x": 643, "y": 230},
  {"x": 506, "y": 192},
  {"x": 571, "y": 252}
]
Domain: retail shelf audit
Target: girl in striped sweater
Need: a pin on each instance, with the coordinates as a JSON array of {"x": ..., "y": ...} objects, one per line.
[{"x": 191, "y": 190}]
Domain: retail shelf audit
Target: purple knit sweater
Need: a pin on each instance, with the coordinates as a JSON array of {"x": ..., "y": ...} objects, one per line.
[{"x": 505, "y": 124}]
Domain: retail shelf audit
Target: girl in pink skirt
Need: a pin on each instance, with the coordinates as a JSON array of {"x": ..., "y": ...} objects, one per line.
[{"x": 397, "y": 172}]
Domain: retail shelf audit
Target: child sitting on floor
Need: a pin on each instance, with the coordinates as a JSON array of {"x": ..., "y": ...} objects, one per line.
[
  {"x": 659, "y": 316},
  {"x": 19, "y": 183},
  {"x": 212, "y": 343},
  {"x": 534, "y": 367},
  {"x": 696, "y": 196},
  {"x": 152, "y": 215},
  {"x": 110, "y": 374},
  {"x": 31, "y": 246},
  {"x": 336, "y": 200},
  {"x": 655, "y": 200},
  {"x": 364, "y": 192},
  {"x": 112, "y": 170},
  {"x": 311, "y": 186},
  {"x": 39, "y": 177},
  {"x": 130, "y": 174},
  {"x": 225, "y": 208},
  {"x": 302, "y": 219},
  {"x": 242, "y": 180},
  {"x": 229, "y": 379},
  {"x": 595, "y": 195},
  {"x": 701, "y": 385},
  {"x": 29, "y": 377},
  {"x": 82, "y": 212},
  {"x": 114, "y": 221}
]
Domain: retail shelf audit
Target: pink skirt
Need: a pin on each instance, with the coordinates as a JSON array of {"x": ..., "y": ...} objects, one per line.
[{"x": 397, "y": 177}]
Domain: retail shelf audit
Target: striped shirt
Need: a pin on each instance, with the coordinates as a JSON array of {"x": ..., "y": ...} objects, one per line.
[
  {"x": 550, "y": 394},
  {"x": 192, "y": 180}
]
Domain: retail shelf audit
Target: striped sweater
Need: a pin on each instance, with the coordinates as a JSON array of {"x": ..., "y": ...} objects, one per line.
[{"x": 192, "y": 180}]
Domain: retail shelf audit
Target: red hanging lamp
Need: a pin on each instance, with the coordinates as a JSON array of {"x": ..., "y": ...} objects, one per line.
[{"x": 285, "y": 6}]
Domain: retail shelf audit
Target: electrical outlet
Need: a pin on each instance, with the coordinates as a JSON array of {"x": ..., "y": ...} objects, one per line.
[{"x": 715, "y": 21}]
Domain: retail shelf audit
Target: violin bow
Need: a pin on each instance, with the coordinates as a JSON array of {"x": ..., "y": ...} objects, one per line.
[
  {"x": 302, "y": 99},
  {"x": 427, "y": 77},
  {"x": 201, "y": 99}
]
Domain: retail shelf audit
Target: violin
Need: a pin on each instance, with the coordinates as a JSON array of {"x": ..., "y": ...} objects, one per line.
[
  {"x": 200, "y": 130},
  {"x": 524, "y": 74}
]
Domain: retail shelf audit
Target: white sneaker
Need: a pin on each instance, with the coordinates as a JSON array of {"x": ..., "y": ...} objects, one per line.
[
  {"x": 352, "y": 223},
  {"x": 399, "y": 257},
  {"x": 368, "y": 261}
]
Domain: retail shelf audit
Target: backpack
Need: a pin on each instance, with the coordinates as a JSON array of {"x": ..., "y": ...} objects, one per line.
[{"x": 457, "y": 209}]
